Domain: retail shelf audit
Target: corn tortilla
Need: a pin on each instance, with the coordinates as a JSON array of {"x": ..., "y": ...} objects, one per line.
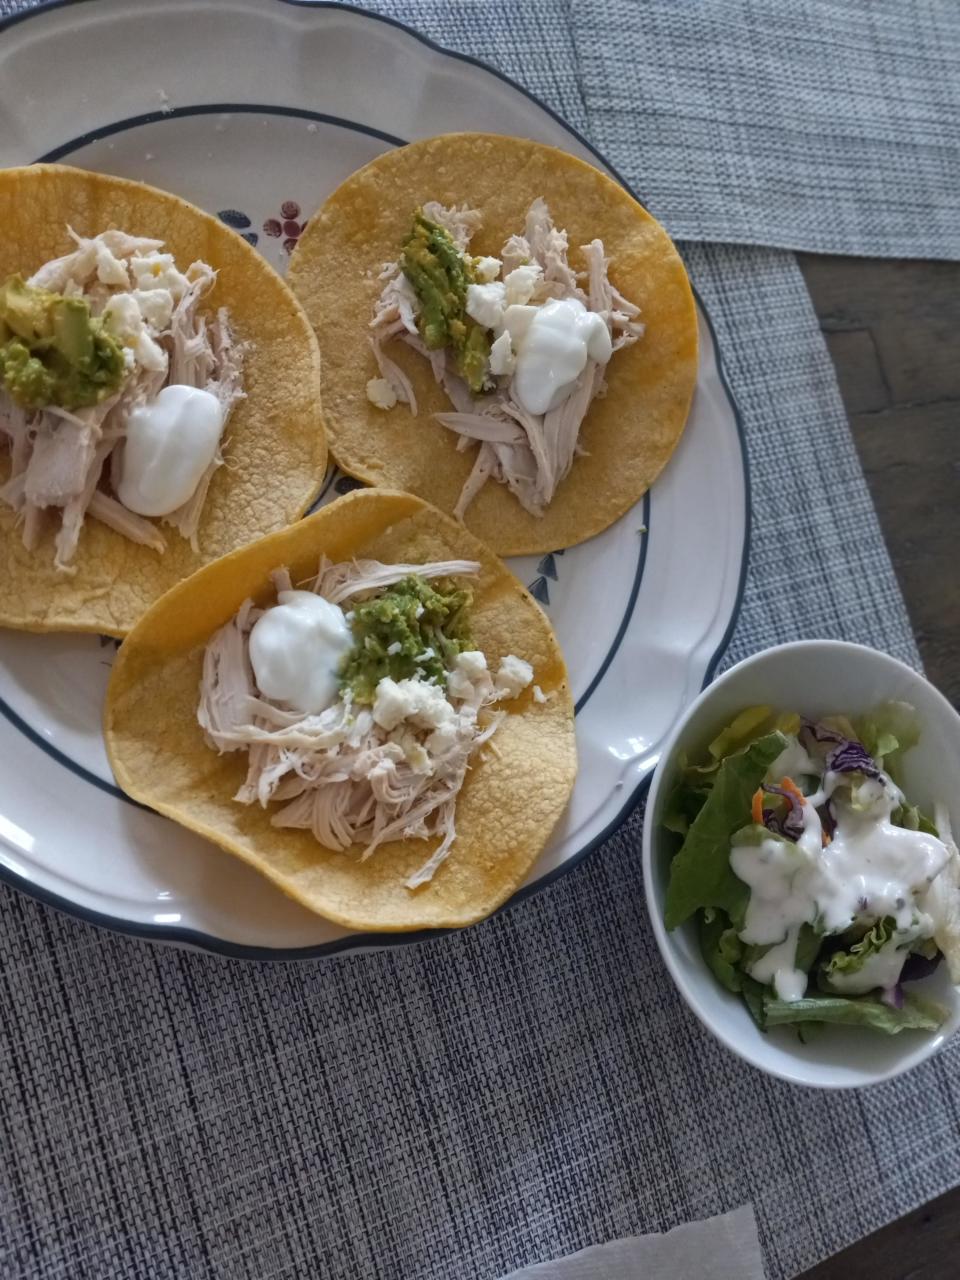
[
  {"x": 276, "y": 448},
  {"x": 514, "y": 793},
  {"x": 628, "y": 436}
]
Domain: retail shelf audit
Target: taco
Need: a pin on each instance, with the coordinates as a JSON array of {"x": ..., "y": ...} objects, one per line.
[
  {"x": 159, "y": 398},
  {"x": 505, "y": 332},
  {"x": 367, "y": 707}
]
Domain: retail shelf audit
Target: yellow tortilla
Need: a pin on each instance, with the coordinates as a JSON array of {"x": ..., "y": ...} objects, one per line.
[
  {"x": 514, "y": 793},
  {"x": 275, "y": 451},
  {"x": 628, "y": 436}
]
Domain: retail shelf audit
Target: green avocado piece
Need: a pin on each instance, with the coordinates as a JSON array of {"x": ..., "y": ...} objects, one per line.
[
  {"x": 26, "y": 311},
  {"x": 25, "y": 377},
  {"x": 72, "y": 333},
  {"x": 440, "y": 275},
  {"x": 53, "y": 351},
  {"x": 473, "y": 357}
]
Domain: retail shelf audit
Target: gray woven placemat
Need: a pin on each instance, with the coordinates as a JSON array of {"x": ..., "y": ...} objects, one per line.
[
  {"x": 827, "y": 125},
  {"x": 486, "y": 1100}
]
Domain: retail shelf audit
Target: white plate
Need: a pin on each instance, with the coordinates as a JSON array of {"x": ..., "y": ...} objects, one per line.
[{"x": 244, "y": 107}]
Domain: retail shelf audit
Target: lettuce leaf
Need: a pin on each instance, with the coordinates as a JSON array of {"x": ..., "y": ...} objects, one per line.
[
  {"x": 844, "y": 963},
  {"x": 683, "y": 805},
  {"x": 721, "y": 948},
  {"x": 700, "y": 874},
  {"x": 755, "y": 998},
  {"x": 909, "y": 816},
  {"x": 887, "y": 732},
  {"x": 916, "y": 1014},
  {"x": 809, "y": 943},
  {"x": 747, "y": 727}
]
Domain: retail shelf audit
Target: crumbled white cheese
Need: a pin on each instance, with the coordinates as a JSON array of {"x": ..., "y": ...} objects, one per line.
[
  {"x": 522, "y": 282},
  {"x": 472, "y": 663},
  {"x": 538, "y": 694},
  {"x": 421, "y": 703},
  {"x": 123, "y": 319},
  {"x": 459, "y": 686},
  {"x": 486, "y": 269},
  {"x": 485, "y": 303},
  {"x": 381, "y": 394},
  {"x": 156, "y": 306},
  {"x": 513, "y": 676},
  {"x": 502, "y": 359},
  {"x": 393, "y": 648},
  {"x": 110, "y": 270},
  {"x": 158, "y": 271},
  {"x": 390, "y": 704}
]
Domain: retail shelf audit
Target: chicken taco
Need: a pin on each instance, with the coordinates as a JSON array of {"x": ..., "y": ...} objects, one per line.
[
  {"x": 357, "y": 707},
  {"x": 159, "y": 398},
  {"x": 505, "y": 332}
]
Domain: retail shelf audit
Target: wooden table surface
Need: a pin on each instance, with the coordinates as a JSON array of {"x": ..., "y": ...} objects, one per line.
[{"x": 893, "y": 329}]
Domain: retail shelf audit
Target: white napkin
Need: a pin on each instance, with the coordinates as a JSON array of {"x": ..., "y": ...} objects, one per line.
[{"x": 722, "y": 1248}]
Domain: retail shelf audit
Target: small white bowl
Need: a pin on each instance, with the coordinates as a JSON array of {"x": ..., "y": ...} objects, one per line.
[{"x": 816, "y": 677}]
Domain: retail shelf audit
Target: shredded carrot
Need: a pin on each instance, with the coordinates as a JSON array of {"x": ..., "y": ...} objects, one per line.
[
  {"x": 788, "y": 784},
  {"x": 756, "y": 812}
]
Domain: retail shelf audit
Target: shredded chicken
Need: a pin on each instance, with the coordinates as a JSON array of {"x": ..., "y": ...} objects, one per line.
[
  {"x": 68, "y": 463},
  {"x": 531, "y": 454},
  {"x": 339, "y": 773}
]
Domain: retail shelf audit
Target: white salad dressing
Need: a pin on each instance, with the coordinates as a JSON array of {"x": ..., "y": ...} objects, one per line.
[
  {"x": 778, "y": 966},
  {"x": 871, "y": 868},
  {"x": 297, "y": 649},
  {"x": 169, "y": 443},
  {"x": 562, "y": 335}
]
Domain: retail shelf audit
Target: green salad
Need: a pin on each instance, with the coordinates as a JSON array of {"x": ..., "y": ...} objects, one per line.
[{"x": 820, "y": 893}]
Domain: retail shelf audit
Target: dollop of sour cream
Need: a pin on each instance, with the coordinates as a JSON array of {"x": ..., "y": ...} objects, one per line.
[
  {"x": 553, "y": 351},
  {"x": 170, "y": 442},
  {"x": 870, "y": 869},
  {"x": 297, "y": 649}
]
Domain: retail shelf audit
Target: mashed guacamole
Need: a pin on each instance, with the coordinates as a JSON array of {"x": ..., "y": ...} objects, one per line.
[{"x": 411, "y": 629}]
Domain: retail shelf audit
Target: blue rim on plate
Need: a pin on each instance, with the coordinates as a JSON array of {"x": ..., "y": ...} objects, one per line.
[{"x": 354, "y": 942}]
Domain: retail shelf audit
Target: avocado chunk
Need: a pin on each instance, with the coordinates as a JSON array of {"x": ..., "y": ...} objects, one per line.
[
  {"x": 25, "y": 377},
  {"x": 53, "y": 351},
  {"x": 440, "y": 274},
  {"x": 72, "y": 334},
  {"x": 26, "y": 311}
]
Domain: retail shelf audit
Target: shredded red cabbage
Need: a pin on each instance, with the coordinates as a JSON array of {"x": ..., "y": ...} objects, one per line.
[
  {"x": 917, "y": 966},
  {"x": 789, "y": 824},
  {"x": 827, "y": 820},
  {"x": 845, "y": 755},
  {"x": 852, "y": 757},
  {"x": 914, "y": 968},
  {"x": 819, "y": 732}
]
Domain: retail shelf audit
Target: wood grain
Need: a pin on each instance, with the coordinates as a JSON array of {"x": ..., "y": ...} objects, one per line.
[{"x": 893, "y": 330}]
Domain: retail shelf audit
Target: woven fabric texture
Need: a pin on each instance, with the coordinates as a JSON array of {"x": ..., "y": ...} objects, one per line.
[
  {"x": 528, "y": 1087},
  {"x": 826, "y": 125}
]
